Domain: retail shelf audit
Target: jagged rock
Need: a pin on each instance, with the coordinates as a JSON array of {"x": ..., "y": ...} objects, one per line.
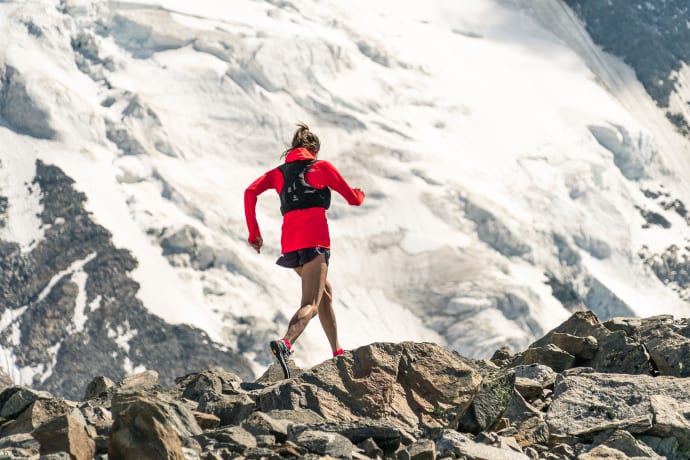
[
  {"x": 142, "y": 429},
  {"x": 230, "y": 409},
  {"x": 501, "y": 356},
  {"x": 324, "y": 443},
  {"x": 529, "y": 422},
  {"x": 529, "y": 389},
  {"x": 386, "y": 437},
  {"x": 146, "y": 380},
  {"x": 453, "y": 443},
  {"x": 627, "y": 325},
  {"x": 586, "y": 404},
  {"x": 491, "y": 400},
  {"x": 97, "y": 416},
  {"x": 15, "y": 399},
  {"x": 206, "y": 421},
  {"x": 619, "y": 444},
  {"x": 664, "y": 447},
  {"x": 21, "y": 445},
  {"x": 424, "y": 449},
  {"x": 274, "y": 373},
  {"x": 407, "y": 385},
  {"x": 667, "y": 347},
  {"x": 36, "y": 414},
  {"x": 259, "y": 423},
  {"x": 298, "y": 416},
  {"x": 582, "y": 348},
  {"x": 235, "y": 435},
  {"x": 370, "y": 448},
  {"x": 549, "y": 355},
  {"x": 195, "y": 385},
  {"x": 97, "y": 387},
  {"x": 265, "y": 440},
  {"x": 617, "y": 352},
  {"x": 66, "y": 433}
]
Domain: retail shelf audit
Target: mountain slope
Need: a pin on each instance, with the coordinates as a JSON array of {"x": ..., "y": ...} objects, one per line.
[{"x": 514, "y": 170}]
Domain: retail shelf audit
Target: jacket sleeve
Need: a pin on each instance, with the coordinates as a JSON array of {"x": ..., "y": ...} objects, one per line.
[
  {"x": 251, "y": 194},
  {"x": 326, "y": 175}
]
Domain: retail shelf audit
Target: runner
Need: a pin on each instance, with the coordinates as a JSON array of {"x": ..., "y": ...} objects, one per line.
[{"x": 304, "y": 184}]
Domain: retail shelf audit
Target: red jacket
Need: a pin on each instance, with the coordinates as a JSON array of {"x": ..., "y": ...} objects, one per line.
[{"x": 302, "y": 228}]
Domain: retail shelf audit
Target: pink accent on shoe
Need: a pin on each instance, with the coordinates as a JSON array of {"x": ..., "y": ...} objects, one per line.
[
  {"x": 287, "y": 343},
  {"x": 338, "y": 352}
]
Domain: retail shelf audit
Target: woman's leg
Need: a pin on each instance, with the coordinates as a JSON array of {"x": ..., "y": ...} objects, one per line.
[
  {"x": 327, "y": 317},
  {"x": 313, "y": 275}
]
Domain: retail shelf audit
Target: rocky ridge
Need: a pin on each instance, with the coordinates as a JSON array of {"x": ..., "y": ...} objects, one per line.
[
  {"x": 71, "y": 307},
  {"x": 586, "y": 390}
]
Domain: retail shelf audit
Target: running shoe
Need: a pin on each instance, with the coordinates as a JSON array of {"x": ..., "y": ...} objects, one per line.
[{"x": 282, "y": 354}]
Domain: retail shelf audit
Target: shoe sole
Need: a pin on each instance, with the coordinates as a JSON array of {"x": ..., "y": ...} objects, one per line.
[{"x": 283, "y": 364}]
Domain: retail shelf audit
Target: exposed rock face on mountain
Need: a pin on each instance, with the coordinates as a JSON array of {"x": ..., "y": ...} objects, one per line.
[
  {"x": 651, "y": 37},
  {"x": 385, "y": 400},
  {"x": 72, "y": 309}
]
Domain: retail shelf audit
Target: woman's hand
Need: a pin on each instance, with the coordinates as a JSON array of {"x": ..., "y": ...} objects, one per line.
[{"x": 257, "y": 244}]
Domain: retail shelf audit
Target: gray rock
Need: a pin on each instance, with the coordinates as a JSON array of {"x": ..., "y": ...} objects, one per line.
[
  {"x": 529, "y": 422},
  {"x": 142, "y": 428},
  {"x": 543, "y": 375},
  {"x": 66, "y": 433},
  {"x": 401, "y": 384},
  {"x": 582, "y": 348},
  {"x": 491, "y": 400},
  {"x": 97, "y": 387},
  {"x": 15, "y": 399},
  {"x": 146, "y": 380},
  {"x": 424, "y": 449},
  {"x": 234, "y": 435},
  {"x": 622, "y": 442},
  {"x": 195, "y": 385},
  {"x": 324, "y": 443},
  {"x": 453, "y": 443},
  {"x": 261, "y": 424},
  {"x": 550, "y": 355},
  {"x": 231, "y": 409},
  {"x": 36, "y": 414},
  {"x": 664, "y": 447},
  {"x": 587, "y": 404}
]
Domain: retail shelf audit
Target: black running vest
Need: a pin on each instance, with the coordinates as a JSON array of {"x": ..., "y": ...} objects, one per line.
[{"x": 297, "y": 193}]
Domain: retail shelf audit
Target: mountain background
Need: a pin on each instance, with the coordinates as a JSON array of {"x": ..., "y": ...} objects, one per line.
[{"x": 522, "y": 159}]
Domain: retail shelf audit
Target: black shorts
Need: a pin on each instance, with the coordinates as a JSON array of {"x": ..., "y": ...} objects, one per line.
[{"x": 300, "y": 257}]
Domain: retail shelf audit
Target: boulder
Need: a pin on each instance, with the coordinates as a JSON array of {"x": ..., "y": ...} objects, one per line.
[
  {"x": 146, "y": 380},
  {"x": 38, "y": 413},
  {"x": 549, "y": 355},
  {"x": 66, "y": 433},
  {"x": 325, "y": 443},
  {"x": 15, "y": 399},
  {"x": 529, "y": 422},
  {"x": 98, "y": 387},
  {"x": 588, "y": 403},
  {"x": 407, "y": 384},
  {"x": 424, "y": 449},
  {"x": 619, "y": 444},
  {"x": 491, "y": 400},
  {"x": 230, "y": 409},
  {"x": 452, "y": 443},
  {"x": 261, "y": 424},
  {"x": 582, "y": 348},
  {"x": 142, "y": 429}
]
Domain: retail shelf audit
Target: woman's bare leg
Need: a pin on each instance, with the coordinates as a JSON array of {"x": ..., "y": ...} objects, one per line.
[
  {"x": 327, "y": 317},
  {"x": 313, "y": 275}
]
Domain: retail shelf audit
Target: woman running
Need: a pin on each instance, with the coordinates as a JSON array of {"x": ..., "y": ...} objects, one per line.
[{"x": 304, "y": 184}]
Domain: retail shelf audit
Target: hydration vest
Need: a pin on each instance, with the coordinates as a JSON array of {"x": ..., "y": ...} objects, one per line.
[{"x": 296, "y": 192}]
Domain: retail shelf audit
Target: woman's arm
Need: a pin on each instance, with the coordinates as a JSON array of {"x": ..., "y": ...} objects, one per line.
[
  {"x": 326, "y": 175},
  {"x": 251, "y": 194}
]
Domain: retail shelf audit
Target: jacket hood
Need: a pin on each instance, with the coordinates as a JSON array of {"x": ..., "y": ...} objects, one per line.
[{"x": 299, "y": 154}]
